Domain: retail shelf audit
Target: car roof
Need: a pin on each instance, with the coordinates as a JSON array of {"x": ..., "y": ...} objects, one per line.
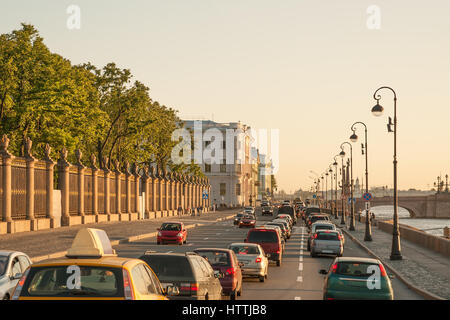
[
  {"x": 357, "y": 259},
  {"x": 244, "y": 244},
  {"x": 322, "y": 222},
  {"x": 9, "y": 252},
  {"x": 103, "y": 261},
  {"x": 327, "y": 231},
  {"x": 172, "y": 222},
  {"x": 212, "y": 249}
]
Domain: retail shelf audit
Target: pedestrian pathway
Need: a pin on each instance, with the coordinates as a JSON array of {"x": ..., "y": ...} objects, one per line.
[
  {"x": 45, "y": 242},
  {"x": 421, "y": 267}
]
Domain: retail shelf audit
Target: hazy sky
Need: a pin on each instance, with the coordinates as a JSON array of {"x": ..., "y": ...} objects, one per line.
[{"x": 308, "y": 68}]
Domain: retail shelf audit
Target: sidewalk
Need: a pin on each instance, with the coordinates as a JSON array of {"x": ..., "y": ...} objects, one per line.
[
  {"x": 422, "y": 268},
  {"x": 54, "y": 241}
]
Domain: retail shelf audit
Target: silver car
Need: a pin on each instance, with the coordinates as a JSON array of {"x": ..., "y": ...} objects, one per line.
[
  {"x": 12, "y": 266},
  {"x": 319, "y": 225},
  {"x": 255, "y": 261},
  {"x": 327, "y": 242}
]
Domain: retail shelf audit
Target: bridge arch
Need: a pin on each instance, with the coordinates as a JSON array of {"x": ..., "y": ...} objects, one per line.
[{"x": 416, "y": 206}]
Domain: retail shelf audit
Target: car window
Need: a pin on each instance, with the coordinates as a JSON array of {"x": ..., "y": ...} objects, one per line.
[
  {"x": 355, "y": 269},
  {"x": 263, "y": 236},
  {"x": 171, "y": 227},
  {"x": 24, "y": 262},
  {"x": 168, "y": 267},
  {"x": 198, "y": 269},
  {"x": 203, "y": 268},
  {"x": 216, "y": 258},
  {"x": 15, "y": 267},
  {"x": 3, "y": 264},
  {"x": 59, "y": 281},
  {"x": 154, "y": 285},
  {"x": 327, "y": 236},
  {"x": 140, "y": 280},
  {"x": 208, "y": 270},
  {"x": 241, "y": 249},
  {"x": 323, "y": 227}
]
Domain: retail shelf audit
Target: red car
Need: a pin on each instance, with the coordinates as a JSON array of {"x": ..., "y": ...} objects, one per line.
[
  {"x": 172, "y": 232},
  {"x": 269, "y": 240},
  {"x": 247, "y": 221},
  {"x": 225, "y": 261}
]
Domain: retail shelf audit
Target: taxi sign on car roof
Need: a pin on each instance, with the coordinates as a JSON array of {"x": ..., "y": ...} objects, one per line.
[{"x": 92, "y": 243}]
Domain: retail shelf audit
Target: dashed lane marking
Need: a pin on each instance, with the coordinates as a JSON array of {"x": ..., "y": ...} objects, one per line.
[
  {"x": 299, "y": 279},
  {"x": 300, "y": 258},
  {"x": 300, "y": 267},
  {"x": 297, "y": 298}
]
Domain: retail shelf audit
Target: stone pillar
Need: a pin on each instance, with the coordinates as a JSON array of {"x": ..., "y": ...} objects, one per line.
[
  {"x": 172, "y": 192},
  {"x": 153, "y": 181},
  {"x": 137, "y": 178},
  {"x": 106, "y": 189},
  {"x": 118, "y": 194},
  {"x": 161, "y": 181},
  {"x": 30, "y": 161},
  {"x": 80, "y": 167},
  {"x": 49, "y": 167},
  {"x": 6, "y": 183},
  {"x": 63, "y": 170},
  {"x": 94, "y": 185},
  {"x": 128, "y": 187}
]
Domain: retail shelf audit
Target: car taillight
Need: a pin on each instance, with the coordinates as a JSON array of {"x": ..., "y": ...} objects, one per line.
[
  {"x": 194, "y": 287},
  {"x": 315, "y": 236},
  {"x": 189, "y": 287},
  {"x": 382, "y": 270},
  {"x": 19, "y": 286},
  {"x": 230, "y": 271},
  {"x": 334, "y": 268},
  {"x": 128, "y": 290},
  {"x": 339, "y": 237},
  {"x": 258, "y": 260},
  {"x": 278, "y": 251}
]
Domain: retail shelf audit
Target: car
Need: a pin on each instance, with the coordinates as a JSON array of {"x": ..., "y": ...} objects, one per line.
[
  {"x": 326, "y": 242},
  {"x": 255, "y": 260},
  {"x": 267, "y": 210},
  {"x": 282, "y": 226},
  {"x": 265, "y": 203},
  {"x": 288, "y": 210},
  {"x": 248, "y": 221},
  {"x": 316, "y": 217},
  {"x": 286, "y": 225},
  {"x": 190, "y": 272},
  {"x": 91, "y": 270},
  {"x": 321, "y": 225},
  {"x": 226, "y": 262},
  {"x": 250, "y": 210},
  {"x": 342, "y": 235},
  {"x": 269, "y": 240},
  {"x": 352, "y": 278},
  {"x": 287, "y": 218},
  {"x": 172, "y": 232},
  {"x": 12, "y": 266},
  {"x": 238, "y": 218}
]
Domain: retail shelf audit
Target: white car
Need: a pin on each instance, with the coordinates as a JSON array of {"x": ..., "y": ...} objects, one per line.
[
  {"x": 250, "y": 210},
  {"x": 12, "y": 266},
  {"x": 255, "y": 261}
]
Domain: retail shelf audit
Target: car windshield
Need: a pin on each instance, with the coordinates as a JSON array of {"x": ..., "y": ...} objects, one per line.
[
  {"x": 312, "y": 210},
  {"x": 282, "y": 226},
  {"x": 263, "y": 236},
  {"x": 241, "y": 249},
  {"x": 3, "y": 264},
  {"x": 239, "y": 215},
  {"x": 287, "y": 209},
  {"x": 324, "y": 227},
  {"x": 327, "y": 236},
  {"x": 169, "y": 267},
  {"x": 317, "y": 218},
  {"x": 249, "y": 217},
  {"x": 171, "y": 227},
  {"x": 60, "y": 281},
  {"x": 216, "y": 258},
  {"x": 356, "y": 269}
]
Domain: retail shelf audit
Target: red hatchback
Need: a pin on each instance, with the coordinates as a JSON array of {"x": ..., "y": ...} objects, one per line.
[
  {"x": 225, "y": 261},
  {"x": 269, "y": 240},
  {"x": 247, "y": 221},
  {"x": 172, "y": 232}
]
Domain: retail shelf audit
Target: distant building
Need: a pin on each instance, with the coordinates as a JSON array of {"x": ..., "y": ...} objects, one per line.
[{"x": 231, "y": 184}]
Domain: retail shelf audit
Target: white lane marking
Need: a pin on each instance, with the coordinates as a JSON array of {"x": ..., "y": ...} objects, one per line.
[
  {"x": 300, "y": 267},
  {"x": 169, "y": 251},
  {"x": 300, "y": 258},
  {"x": 218, "y": 234},
  {"x": 205, "y": 238},
  {"x": 297, "y": 298},
  {"x": 301, "y": 252},
  {"x": 190, "y": 244},
  {"x": 300, "y": 279}
]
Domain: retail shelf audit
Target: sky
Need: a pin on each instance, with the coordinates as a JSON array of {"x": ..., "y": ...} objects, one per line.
[{"x": 308, "y": 68}]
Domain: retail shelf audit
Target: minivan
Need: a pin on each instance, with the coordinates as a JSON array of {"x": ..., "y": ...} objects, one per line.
[{"x": 269, "y": 240}]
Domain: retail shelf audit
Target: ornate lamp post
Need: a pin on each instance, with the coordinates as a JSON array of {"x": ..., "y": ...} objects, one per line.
[
  {"x": 343, "y": 192},
  {"x": 354, "y": 138},
  {"x": 330, "y": 171},
  {"x": 377, "y": 110},
  {"x": 352, "y": 210},
  {"x": 335, "y": 164},
  {"x": 326, "y": 189}
]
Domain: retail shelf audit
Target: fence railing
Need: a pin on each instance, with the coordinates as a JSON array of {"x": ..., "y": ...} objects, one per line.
[{"x": 88, "y": 193}]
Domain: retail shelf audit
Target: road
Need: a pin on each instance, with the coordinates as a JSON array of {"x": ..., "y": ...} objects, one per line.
[{"x": 297, "y": 278}]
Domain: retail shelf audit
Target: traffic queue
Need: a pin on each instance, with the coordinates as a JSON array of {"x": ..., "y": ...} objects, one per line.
[{"x": 91, "y": 269}]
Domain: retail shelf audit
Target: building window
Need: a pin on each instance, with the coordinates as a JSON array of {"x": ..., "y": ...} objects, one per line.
[
  {"x": 238, "y": 189},
  {"x": 223, "y": 168},
  {"x": 223, "y": 189},
  {"x": 207, "y": 167}
]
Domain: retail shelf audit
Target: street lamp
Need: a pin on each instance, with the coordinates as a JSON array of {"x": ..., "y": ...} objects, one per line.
[
  {"x": 354, "y": 138},
  {"x": 377, "y": 110},
  {"x": 326, "y": 189},
  {"x": 330, "y": 171},
  {"x": 342, "y": 191},
  {"x": 352, "y": 210},
  {"x": 335, "y": 164}
]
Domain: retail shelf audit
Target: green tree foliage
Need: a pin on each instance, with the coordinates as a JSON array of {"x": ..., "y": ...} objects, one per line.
[{"x": 101, "y": 111}]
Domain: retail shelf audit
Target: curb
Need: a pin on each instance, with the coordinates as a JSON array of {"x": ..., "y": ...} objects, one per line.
[
  {"x": 138, "y": 237},
  {"x": 426, "y": 294}
]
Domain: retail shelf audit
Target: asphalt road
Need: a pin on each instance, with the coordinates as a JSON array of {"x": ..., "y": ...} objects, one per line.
[{"x": 298, "y": 276}]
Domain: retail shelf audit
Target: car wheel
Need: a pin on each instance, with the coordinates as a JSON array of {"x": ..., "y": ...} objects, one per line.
[
  {"x": 262, "y": 278},
  {"x": 206, "y": 297},
  {"x": 313, "y": 255},
  {"x": 278, "y": 263},
  {"x": 158, "y": 243},
  {"x": 240, "y": 291},
  {"x": 309, "y": 247},
  {"x": 6, "y": 297},
  {"x": 233, "y": 295}
]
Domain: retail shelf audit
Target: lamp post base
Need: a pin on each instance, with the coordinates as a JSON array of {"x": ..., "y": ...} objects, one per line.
[{"x": 396, "y": 256}]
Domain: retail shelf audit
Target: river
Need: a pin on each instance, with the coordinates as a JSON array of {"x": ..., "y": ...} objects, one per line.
[{"x": 386, "y": 212}]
